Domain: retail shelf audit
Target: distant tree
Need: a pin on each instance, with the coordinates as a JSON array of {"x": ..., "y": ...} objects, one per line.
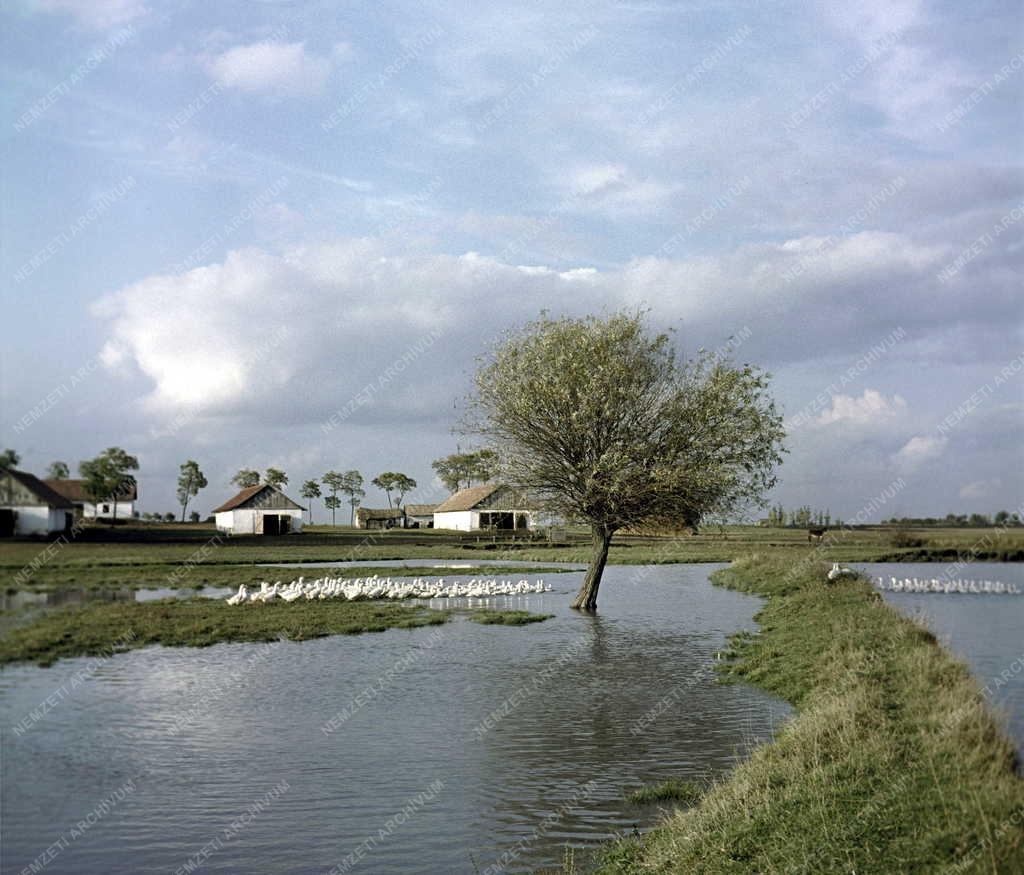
[
  {"x": 109, "y": 476},
  {"x": 333, "y": 481},
  {"x": 193, "y": 517},
  {"x": 352, "y": 486},
  {"x": 169, "y": 517},
  {"x": 275, "y": 477},
  {"x": 451, "y": 471},
  {"x": 483, "y": 465},
  {"x": 466, "y": 468},
  {"x": 394, "y": 481},
  {"x": 403, "y": 485},
  {"x": 978, "y": 519},
  {"x": 599, "y": 422},
  {"x": 1001, "y": 518},
  {"x": 332, "y": 503},
  {"x": 190, "y": 481},
  {"x": 385, "y": 482},
  {"x": 58, "y": 471},
  {"x": 246, "y": 478},
  {"x": 355, "y": 498},
  {"x": 310, "y": 490},
  {"x": 9, "y": 459}
]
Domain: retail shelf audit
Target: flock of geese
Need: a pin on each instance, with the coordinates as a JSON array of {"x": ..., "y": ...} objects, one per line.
[
  {"x": 935, "y": 584},
  {"x": 914, "y": 584},
  {"x": 374, "y": 587}
]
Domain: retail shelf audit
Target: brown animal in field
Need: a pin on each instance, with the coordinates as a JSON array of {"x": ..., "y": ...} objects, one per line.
[{"x": 816, "y": 532}]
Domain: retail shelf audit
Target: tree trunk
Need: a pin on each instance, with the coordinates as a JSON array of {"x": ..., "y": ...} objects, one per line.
[{"x": 586, "y": 598}]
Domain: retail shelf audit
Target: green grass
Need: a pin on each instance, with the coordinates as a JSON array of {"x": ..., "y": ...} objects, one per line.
[
  {"x": 101, "y": 628},
  {"x": 184, "y": 556},
  {"x": 488, "y": 617},
  {"x": 893, "y": 763},
  {"x": 673, "y": 790}
]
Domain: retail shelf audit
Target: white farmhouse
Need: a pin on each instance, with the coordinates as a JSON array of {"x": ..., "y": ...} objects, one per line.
[
  {"x": 86, "y": 506},
  {"x": 259, "y": 510},
  {"x": 29, "y": 507},
  {"x": 492, "y": 506}
]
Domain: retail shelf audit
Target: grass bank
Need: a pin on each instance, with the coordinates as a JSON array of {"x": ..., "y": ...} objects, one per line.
[
  {"x": 198, "y": 556},
  {"x": 489, "y": 617},
  {"x": 893, "y": 763},
  {"x": 103, "y": 628}
]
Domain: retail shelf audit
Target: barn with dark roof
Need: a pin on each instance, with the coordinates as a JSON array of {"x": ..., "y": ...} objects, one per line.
[
  {"x": 491, "y": 506},
  {"x": 259, "y": 510},
  {"x": 30, "y": 507}
]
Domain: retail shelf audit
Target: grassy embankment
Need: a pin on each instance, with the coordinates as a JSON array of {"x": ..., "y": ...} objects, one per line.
[
  {"x": 893, "y": 763},
  {"x": 102, "y": 628},
  {"x": 193, "y": 556},
  {"x": 488, "y": 617}
]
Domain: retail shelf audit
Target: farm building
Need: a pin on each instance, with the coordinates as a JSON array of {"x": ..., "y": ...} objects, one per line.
[
  {"x": 419, "y": 516},
  {"x": 29, "y": 507},
  {"x": 259, "y": 510},
  {"x": 379, "y": 518},
  {"x": 492, "y": 506},
  {"x": 86, "y": 506}
]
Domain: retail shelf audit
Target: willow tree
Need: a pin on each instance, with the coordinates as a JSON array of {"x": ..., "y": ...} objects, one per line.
[{"x": 600, "y": 421}]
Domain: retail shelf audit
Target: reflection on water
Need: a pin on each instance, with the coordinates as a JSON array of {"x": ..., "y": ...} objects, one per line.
[
  {"x": 11, "y": 601},
  {"x": 514, "y": 721},
  {"x": 986, "y": 630}
]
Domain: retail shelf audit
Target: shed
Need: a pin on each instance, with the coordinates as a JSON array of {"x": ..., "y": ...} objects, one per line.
[
  {"x": 491, "y": 506},
  {"x": 29, "y": 507},
  {"x": 380, "y": 518},
  {"x": 259, "y": 510},
  {"x": 420, "y": 516}
]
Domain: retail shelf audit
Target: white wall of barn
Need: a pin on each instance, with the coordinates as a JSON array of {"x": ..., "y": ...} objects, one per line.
[
  {"x": 460, "y": 520},
  {"x": 105, "y": 509},
  {"x": 249, "y": 520},
  {"x": 38, "y": 520}
]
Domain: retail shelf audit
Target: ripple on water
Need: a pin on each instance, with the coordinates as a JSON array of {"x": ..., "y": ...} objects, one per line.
[{"x": 567, "y": 693}]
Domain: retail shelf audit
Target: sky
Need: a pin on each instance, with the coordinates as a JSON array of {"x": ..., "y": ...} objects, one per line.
[{"x": 280, "y": 234}]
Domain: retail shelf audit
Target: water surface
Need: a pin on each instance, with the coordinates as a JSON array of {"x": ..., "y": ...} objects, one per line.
[
  {"x": 410, "y": 709},
  {"x": 985, "y": 630}
]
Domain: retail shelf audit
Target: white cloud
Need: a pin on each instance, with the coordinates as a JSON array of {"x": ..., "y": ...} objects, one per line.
[
  {"x": 592, "y": 178},
  {"x": 920, "y": 449},
  {"x": 869, "y": 409},
  {"x": 270, "y": 67},
  {"x": 189, "y": 333},
  {"x": 980, "y": 488},
  {"x": 97, "y": 14}
]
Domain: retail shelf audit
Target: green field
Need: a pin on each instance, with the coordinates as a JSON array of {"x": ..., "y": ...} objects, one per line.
[{"x": 183, "y": 555}]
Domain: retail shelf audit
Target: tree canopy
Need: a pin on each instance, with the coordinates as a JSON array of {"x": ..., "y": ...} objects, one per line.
[
  {"x": 459, "y": 468},
  {"x": 394, "y": 481},
  {"x": 58, "y": 471},
  {"x": 275, "y": 477},
  {"x": 108, "y": 476},
  {"x": 246, "y": 478},
  {"x": 600, "y": 422},
  {"x": 9, "y": 459}
]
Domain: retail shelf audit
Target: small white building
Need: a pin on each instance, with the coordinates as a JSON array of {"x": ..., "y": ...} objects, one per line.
[
  {"x": 29, "y": 507},
  {"x": 88, "y": 507},
  {"x": 491, "y": 506},
  {"x": 259, "y": 510}
]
